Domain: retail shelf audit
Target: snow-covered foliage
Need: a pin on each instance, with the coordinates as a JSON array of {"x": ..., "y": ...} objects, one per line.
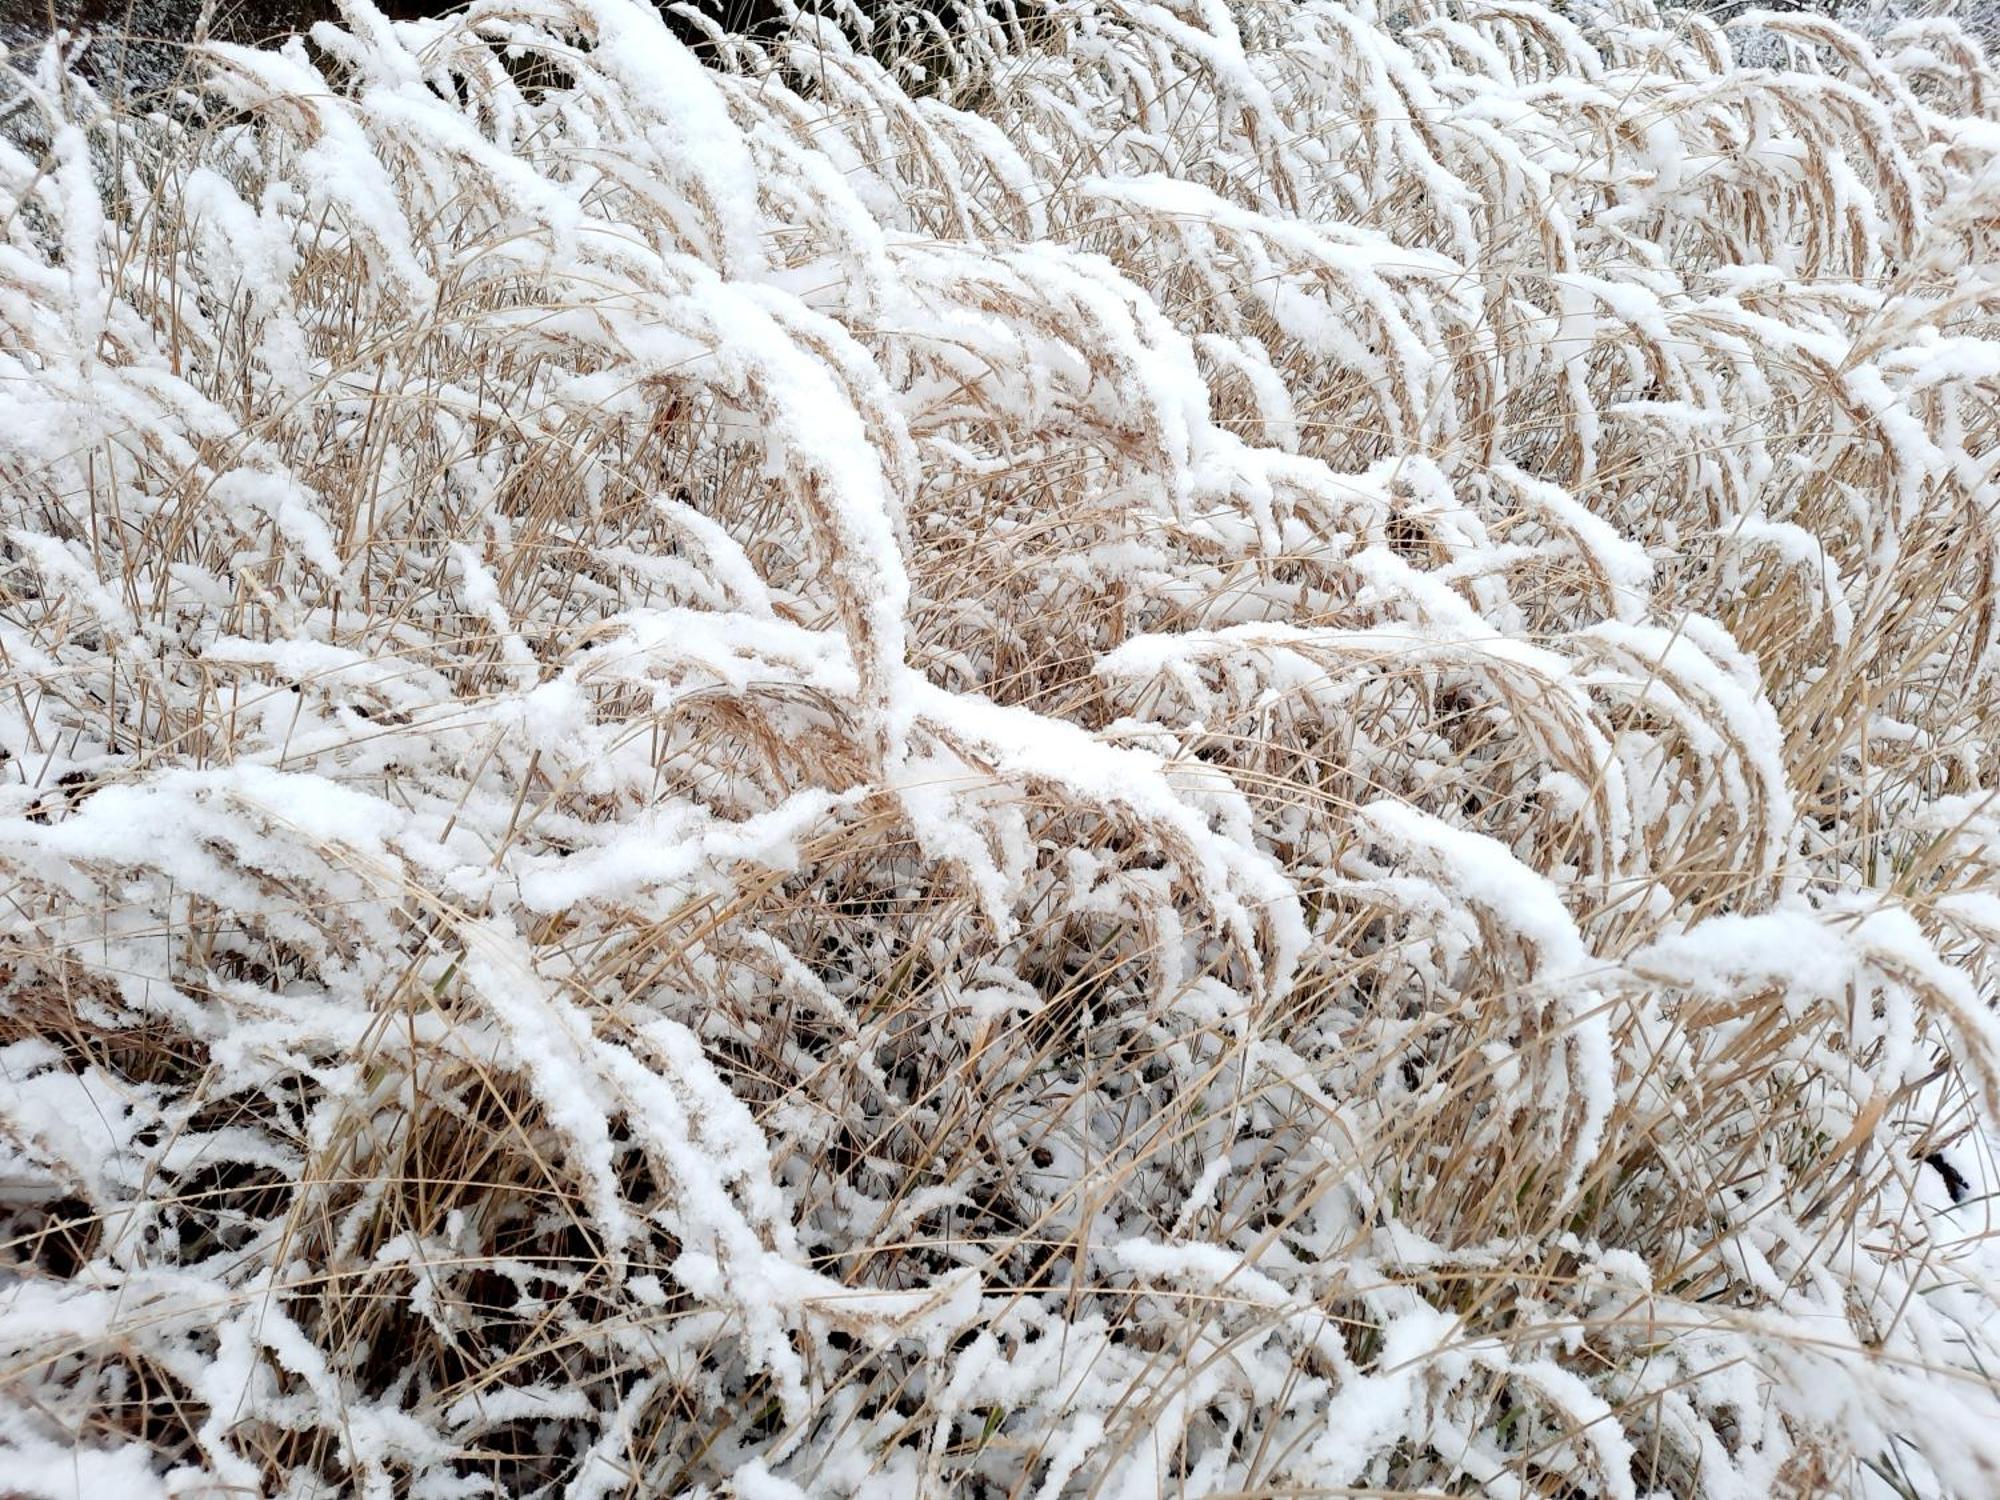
[{"x": 1152, "y": 747}]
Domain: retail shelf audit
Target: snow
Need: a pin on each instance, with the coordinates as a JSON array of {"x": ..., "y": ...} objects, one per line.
[{"x": 1182, "y": 747}]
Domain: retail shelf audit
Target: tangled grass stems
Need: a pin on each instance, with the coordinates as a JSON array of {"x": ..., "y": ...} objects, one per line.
[{"x": 1124, "y": 748}]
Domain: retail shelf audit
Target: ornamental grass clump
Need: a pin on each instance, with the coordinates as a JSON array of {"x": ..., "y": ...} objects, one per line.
[{"x": 1098, "y": 749}]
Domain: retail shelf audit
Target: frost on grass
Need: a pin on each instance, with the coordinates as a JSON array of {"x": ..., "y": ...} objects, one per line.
[{"x": 1127, "y": 749}]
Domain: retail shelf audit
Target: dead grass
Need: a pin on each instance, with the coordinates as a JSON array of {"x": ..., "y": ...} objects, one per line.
[{"x": 1235, "y": 753}]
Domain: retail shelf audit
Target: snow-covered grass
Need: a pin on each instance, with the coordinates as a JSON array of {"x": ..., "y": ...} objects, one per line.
[{"x": 1176, "y": 748}]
